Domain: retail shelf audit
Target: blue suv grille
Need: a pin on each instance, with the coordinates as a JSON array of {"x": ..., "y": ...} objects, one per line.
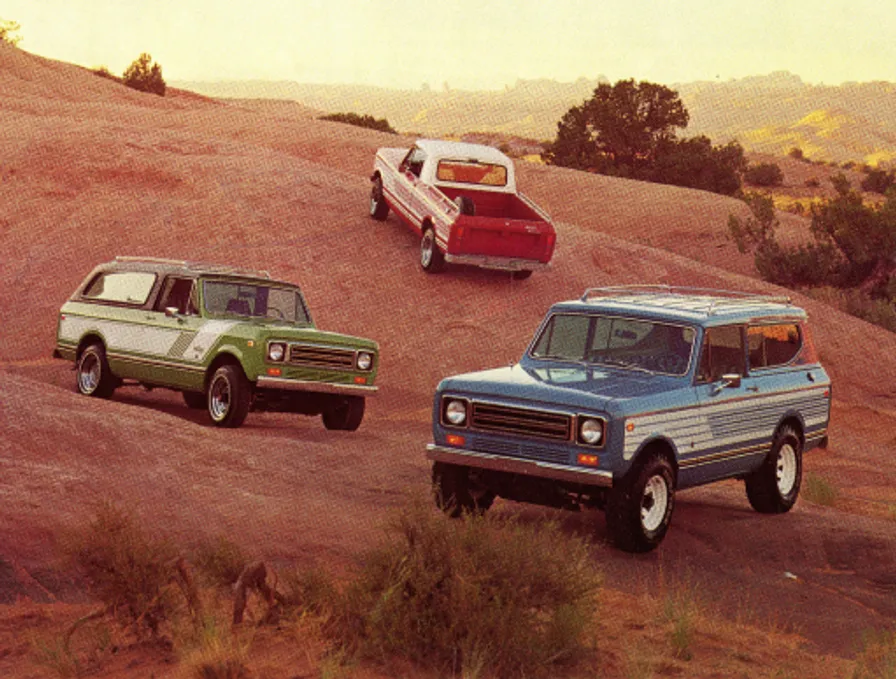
[{"x": 521, "y": 421}]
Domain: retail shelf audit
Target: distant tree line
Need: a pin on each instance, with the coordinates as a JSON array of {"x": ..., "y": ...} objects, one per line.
[
  {"x": 380, "y": 124},
  {"x": 629, "y": 130}
]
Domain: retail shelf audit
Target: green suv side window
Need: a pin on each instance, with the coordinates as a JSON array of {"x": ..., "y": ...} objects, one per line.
[{"x": 127, "y": 287}]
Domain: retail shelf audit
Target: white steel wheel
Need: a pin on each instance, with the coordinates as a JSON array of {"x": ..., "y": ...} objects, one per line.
[
  {"x": 786, "y": 469},
  {"x": 654, "y": 503},
  {"x": 89, "y": 372},
  {"x": 426, "y": 248}
]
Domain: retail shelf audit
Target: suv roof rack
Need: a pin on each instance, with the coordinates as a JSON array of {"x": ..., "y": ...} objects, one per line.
[
  {"x": 722, "y": 298},
  {"x": 196, "y": 266}
]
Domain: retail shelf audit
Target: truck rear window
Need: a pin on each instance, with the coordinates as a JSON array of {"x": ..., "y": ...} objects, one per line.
[{"x": 471, "y": 172}]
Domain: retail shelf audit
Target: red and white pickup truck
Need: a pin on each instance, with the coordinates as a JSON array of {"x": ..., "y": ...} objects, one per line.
[{"x": 462, "y": 199}]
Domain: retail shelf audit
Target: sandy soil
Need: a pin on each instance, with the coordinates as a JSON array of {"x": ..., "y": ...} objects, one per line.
[{"x": 90, "y": 170}]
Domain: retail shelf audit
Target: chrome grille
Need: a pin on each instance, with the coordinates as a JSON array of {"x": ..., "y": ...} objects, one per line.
[
  {"x": 321, "y": 357},
  {"x": 537, "y": 423}
]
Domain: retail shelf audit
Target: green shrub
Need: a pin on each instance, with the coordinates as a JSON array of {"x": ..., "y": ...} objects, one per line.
[
  {"x": 764, "y": 174},
  {"x": 813, "y": 183},
  {"x": 878, "y": 181},
  {"x": 104, "y": 72},
  {"x": 796, "y": 153},
  {"x": 479, "y": 594},
  {"x": 126, "y": 569},
  {"x": 379, "y": 124},
  {"x": 877, "y": 657},
  {"x": 145, "y": 76}
]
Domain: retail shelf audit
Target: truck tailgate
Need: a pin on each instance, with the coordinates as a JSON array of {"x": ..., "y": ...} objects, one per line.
[{"x": 502, "y": 237}]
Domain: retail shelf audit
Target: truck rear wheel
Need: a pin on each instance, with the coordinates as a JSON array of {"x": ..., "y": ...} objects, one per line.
[
  {"x": 379, "y": 208},
  {"x": 521, "y": 275},
  {"x": 431, "y": 258},
  {"x": 346, "y": 416}
]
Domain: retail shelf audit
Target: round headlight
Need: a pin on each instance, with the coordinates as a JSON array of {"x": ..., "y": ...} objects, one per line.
[
  {"x": 364, "y": 360},
  {"x": 591, "y": 431},
  {"x": 276, "y": 351},
  {"x": 456, "y": 412}
]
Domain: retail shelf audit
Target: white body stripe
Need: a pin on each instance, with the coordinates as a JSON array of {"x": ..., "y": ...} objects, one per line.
[
  {"x": 144, "y": 338},
  {"x": 718, "y": 425}
]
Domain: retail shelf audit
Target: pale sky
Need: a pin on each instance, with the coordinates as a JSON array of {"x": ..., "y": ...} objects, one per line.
[{"x": 470, "y": 44}]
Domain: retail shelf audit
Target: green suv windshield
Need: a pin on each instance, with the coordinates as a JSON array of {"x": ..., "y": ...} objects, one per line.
[
  {"x": 254, "y": 300},
  {"x": 615, "y": 341}
]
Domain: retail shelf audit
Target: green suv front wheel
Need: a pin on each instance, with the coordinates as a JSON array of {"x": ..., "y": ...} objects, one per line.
[{"x": 229, "y": 396}]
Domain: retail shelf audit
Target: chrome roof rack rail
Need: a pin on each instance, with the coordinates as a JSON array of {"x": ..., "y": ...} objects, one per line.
[
  {"x": 723, "y": 298},
  {"x": 197, "y": 266}
]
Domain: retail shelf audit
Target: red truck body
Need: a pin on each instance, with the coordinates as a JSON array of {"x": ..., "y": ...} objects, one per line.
[{"x": 463, "y": 200}]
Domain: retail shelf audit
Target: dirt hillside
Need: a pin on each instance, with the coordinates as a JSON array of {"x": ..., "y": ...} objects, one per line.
[{"x": 90, "y": 170}]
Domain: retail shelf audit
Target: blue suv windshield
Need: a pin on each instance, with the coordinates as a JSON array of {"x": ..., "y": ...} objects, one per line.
[{"x": 629, "y": 343}]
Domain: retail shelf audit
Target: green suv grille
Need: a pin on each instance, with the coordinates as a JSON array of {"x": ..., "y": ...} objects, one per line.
[{"x": 321, "y": 357}]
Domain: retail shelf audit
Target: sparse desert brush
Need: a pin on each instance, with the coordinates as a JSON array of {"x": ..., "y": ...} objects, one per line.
[
  {"x": 476, "y": 595},
  {"x": 819, "y": 490},
  {"x": 877, "y": 657},
  {"x": 217, "y": 654},
  {"x": 127, "y": 569},
  {"x": 681, "y": 610},
  {"x": 366, "y": 121},
  {"x": 104, "y": 72},
  {"x": 220, "y": 561}
]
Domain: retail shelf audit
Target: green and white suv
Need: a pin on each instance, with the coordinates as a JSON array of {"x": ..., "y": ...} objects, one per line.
[{"x": 230, "y": 340}]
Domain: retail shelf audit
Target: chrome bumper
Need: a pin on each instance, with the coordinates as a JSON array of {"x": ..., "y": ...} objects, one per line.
[
  {"x": 319, "y": 387},
  {"x": 501, "y": 263},
  {"x": 501, "y": 463}
]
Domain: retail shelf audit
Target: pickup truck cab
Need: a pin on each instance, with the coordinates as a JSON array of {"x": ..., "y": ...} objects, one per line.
[
  {"x": 463, "y": 201},
  {"x": 630, "y": 394}
]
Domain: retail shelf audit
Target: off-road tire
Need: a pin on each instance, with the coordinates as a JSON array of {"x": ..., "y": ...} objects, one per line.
[
  {"x": 432, "y": 259},
  {"x": 379, "y": 208},
  {"x": 521, "y": 275},
  {"x": 639, "y": 509},
  {"x": 93, "y": 377},
  {"x": 228, "y": 396},
  {"x": 456, "y": 493},
  {"x": 775, "y": 486},
  {"x": 345, "y": 416}
]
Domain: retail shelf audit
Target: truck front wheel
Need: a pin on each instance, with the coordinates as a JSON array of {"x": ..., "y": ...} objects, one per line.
[
  {"x": 346, "y": 415},
  {"x": 379, "y": 208},
  {"x": 456, "y": 493},
  {"x": 639, "y": 509},
  {"x": 431, "y": 258}
]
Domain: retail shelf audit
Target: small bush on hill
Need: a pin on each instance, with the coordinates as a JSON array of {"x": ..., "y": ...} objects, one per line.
[
  {"x": 379, "y": 124},
  {"x": 9, "y": 32},
  {"x": 796, "y": 153},
  {"x": 878, "y": 181},
  {"x": 104, "y": 72},
  {"x": 145, "y": 75},
  {"x": 813, "y": 183},
  {"x": 764, "y": 174},
  {"x": 476, "y": 595}
]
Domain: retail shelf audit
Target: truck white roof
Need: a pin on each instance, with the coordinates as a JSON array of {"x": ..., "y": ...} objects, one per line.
[{"x": 460, "y": 150}]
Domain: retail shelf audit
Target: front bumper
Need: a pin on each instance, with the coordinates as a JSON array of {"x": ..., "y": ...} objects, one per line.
[
  {"x": 319, "y": 387},
  {"x": 501, "y": 463},
  {"x": 500, "y": 263}
]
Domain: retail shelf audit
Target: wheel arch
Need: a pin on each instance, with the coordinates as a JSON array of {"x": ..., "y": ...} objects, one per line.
[
  {"x": 658, "y": 445},
  {"x": 92, "y": 337},
  {"x": 795, "y": 421},
  {"x": 223, "y": 358}
]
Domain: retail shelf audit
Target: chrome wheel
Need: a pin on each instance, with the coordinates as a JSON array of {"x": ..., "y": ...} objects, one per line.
[
  {"x": 219, "y": 398},
  {"x": 785, "y": 469},
  {"x": 426, "y": 248},
  {"x": 89, "y": 373},
  {"x": 654, "y": 503}
]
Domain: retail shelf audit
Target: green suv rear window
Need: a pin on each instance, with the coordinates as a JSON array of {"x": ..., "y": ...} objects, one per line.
[{"x": 127, "y": 287}]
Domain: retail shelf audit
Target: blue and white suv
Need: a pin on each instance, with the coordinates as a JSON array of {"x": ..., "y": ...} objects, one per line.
[{"x": 629, "y": 394}]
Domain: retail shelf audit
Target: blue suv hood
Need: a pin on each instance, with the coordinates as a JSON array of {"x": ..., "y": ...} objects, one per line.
[{"x": 594, "y": 388}]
